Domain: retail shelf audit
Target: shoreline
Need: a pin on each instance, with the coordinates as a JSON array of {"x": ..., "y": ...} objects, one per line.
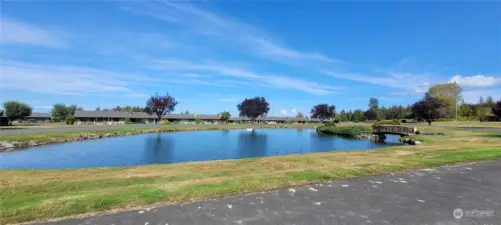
[{"x": 9, "y": 143}]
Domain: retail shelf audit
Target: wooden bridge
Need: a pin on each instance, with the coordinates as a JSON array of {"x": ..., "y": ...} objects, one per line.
[{"x": 381, "y": 131}]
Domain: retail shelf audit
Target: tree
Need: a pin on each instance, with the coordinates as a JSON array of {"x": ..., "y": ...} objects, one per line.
[
  {"x": 253, "y": 107},
  {"x": 358, "y": 116},
  {"x": 160, "y": 105},
  {"x": 323, "y": 111},
  {"x": 98, "y": 108},
  {"x": 489, "y": 102},
  {"x": 373, "y": 104},
  {"x": 59, "y": 112},
  {"x": 430, "y": 108},
  {"x": 371, "y": 115},
  {"x": 450, "y": 92},
  {"x": 15, "y": 110},
  {"x": 225, "y": 116},
  {"x": 481, "y": 101},
  {"x": 186, "y": 112},
  {"x": 299, "y": 115},
  {"x": 496, "y": 109}
]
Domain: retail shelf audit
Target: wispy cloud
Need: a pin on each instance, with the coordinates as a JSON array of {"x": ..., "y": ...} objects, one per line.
[
  {"x": 413, "y": 83},
  {"x": 16, "y": 32},
  {"x": 234, "y": 33},
  {"x": 74, "y": 80},
  {"x": 476, "y": 81},
  {"x": 228, "y": 100},
  {"x": 264, "y": 80}
]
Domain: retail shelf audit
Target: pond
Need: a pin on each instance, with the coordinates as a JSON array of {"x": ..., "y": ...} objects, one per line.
[{"x": 176, "y": 147}]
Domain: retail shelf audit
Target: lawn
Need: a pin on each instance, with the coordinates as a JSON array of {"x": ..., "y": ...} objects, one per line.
[{"x": 40, "y": 194}]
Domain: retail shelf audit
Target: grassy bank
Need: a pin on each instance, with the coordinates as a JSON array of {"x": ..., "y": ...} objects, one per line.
[
  {"x": 346, "y": 131},
  {"x": 38, "y": 194},
  {"x": 74, "y": 135}
]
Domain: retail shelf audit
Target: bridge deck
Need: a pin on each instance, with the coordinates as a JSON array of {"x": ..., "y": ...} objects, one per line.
[{"x": 398, "y": 130}]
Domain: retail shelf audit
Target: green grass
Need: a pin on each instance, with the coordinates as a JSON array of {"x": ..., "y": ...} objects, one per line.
[
  {"x": 347, "y": 131},
  {"x": 28, "y": 195}
]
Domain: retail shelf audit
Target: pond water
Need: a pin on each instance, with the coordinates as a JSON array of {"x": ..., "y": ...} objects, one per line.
[{"x": 175, "y": 147}]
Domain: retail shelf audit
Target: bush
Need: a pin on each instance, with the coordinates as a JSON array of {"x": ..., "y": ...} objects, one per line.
[
  {"x": 387, "y": 122},
  {"x": 289, "y": 122},
  {"x": 128, "y": 121},
  {"x": 404, "y": 121},
  {"x": 348, "y": 131},
  {"x": 70, "y": 120},
  {"x": 197, "y": 121},
  {"x": 164, "y": 121},
  {"x": 337, "y": 119}
]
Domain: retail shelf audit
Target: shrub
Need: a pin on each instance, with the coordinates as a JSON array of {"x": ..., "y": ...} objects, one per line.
[
  {"x": 128, "y": 121},
  {"x": 70, "y": 120},
  {"x": 404, "y": 121},
  {"x": 164, "y": 121},
  {"x": 337, "y": 119},
  {"x": 197, "y": 121},
  {"x": 289, "y": 122},
  {"x": 347, "y": 131},
  {"x": 387, "y": 122}
]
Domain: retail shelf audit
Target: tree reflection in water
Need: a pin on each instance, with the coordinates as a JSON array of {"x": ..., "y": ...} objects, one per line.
[
  {"x": 252, "y": 144},
  {"x": 159, "y": 149}
]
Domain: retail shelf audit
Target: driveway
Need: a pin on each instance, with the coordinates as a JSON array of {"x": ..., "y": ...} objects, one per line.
[{"x": 427, "y": 196}]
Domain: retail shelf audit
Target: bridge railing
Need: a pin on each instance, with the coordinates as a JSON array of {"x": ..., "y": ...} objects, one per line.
[{"x": 394, "y": 129}]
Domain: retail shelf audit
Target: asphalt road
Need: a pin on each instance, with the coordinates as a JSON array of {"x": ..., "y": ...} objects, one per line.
[
  {"x": 483, "y": 129},
  {"x": 417, "y": 197}
]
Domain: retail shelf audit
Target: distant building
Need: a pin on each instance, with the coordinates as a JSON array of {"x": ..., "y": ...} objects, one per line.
[{"x": 116, "y": 117}]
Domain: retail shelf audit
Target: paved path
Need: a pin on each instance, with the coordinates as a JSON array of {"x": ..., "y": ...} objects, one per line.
[
  {"x": 483, "y": 129},
  {"x": 417, "y": 197}
]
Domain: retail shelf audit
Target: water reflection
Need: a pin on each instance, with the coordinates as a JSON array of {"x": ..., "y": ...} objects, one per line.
[
  {"x": 179, "y": 147},
  {"x": 252, "y": 144},
  {"x": 159, "y": 149}
]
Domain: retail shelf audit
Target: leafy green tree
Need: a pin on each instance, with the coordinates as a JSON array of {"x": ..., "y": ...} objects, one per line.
[
  {"x": 299, "y": 115},
  {"x": 16, "y": 110},
  {"x": 449, "y": 92},
  {"x": 430, "y": 108},
  {"x": 225, "y": 116},
  {"x": 60, "y": 112},
  {"x": 358, "y": 116}
]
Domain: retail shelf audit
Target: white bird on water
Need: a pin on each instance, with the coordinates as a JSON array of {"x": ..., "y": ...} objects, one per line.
[{"x": 250, "y": 129}]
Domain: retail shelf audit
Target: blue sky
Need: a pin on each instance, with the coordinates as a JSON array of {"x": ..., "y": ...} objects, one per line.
[{"x": 212, "y": 54}]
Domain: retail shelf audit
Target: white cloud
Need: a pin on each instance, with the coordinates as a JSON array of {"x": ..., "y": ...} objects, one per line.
[
  {"x": 264, "y": 80},
  {"x": 293, "y": 111},
  {"x": 232, "y": 32},
  {"x": 284, "y": 111},
  {"x": 74, "y": 80},
  {"x": 414, "y": 83},
  {"x": 476, "y": 81},
  {"x": 15, "y": 32},
  {"x": 227, "y": 100},
  {"x": 193, "y": 75}
]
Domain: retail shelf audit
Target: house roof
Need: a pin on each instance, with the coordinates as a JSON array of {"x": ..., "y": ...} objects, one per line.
[
  {"x": 32, "y": 116},
  {"x": 143, "y": 115}
]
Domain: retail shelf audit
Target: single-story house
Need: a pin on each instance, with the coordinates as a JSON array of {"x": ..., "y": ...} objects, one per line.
[{"x": 33, "y": 118}]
